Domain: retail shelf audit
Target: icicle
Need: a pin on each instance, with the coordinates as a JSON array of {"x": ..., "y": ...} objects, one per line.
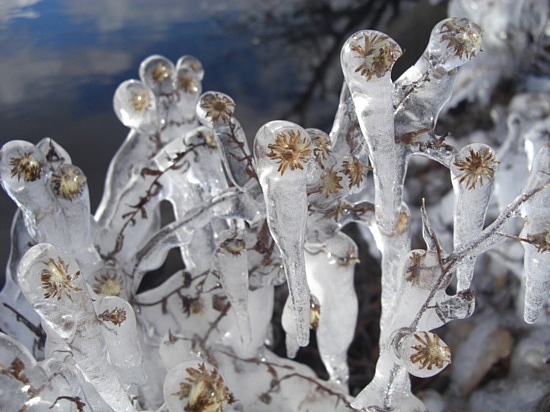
[
  {"x": 367, "y": 59},
  {"x": 52, "y": 282},
  {"x": 330, "y": 277},
  {"x": 231, "y": 262},
  {"x": 473, "y": 173},
  {"x": 282, "y": 151}
]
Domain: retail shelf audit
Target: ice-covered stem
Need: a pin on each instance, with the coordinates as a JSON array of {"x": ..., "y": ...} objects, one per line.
[
  {"x": 52, "y": 282},
  {"x": 473, "y": 173},
  {"x": 282, "y": 151},
  {"x": 52, "y": 195},
  {"x": 410, "y": 347},
  {"x": 423, "y": 90},
  {"x": 536, "y": 238},
  {"x": 215, "y": 110},
  {"x": 367, "y": 59},
  {"x": 230, "y": 260}
]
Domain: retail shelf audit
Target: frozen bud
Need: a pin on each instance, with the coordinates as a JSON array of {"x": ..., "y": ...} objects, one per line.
[
  {"x": 158, "y": 73},
  {"x": 196, "y": 386},
  {"x": 423, "y": 354},
  {"x": 135, "y": 105}
]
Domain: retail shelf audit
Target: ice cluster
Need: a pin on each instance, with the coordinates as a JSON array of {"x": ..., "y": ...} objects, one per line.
[{"x": 80, "y": 337}]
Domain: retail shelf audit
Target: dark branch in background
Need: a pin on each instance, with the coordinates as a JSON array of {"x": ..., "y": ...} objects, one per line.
[{"x": 316, "y": 31}]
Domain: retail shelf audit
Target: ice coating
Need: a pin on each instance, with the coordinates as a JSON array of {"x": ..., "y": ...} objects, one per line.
[
  {"x": 536, "y": 237},
  {"x": 231, "y": 261},
  {"x": 217, "y": 309},
  {"x": 121, "y": 337},
  {"x": 195, "y": 385},
  {"x": 367, "y": 58},
  {"x": 422, "y": 91},
  {"x": 473, "y": 173},
  {"x": 282, "y": 151},
  {"x": 135, "y": 106},
  {"x": 216, "y": 111},
  {"x": 330, "y": 277},
  {"x": 52, "y": 282}
]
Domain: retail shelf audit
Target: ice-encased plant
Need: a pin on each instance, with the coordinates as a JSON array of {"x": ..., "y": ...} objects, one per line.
[{"x": 245, "y": 221}]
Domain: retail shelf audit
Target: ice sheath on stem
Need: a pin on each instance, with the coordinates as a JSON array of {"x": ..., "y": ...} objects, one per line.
[{"x": 282, "y": 151}]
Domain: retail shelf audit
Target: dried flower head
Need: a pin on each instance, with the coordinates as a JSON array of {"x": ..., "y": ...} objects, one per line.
[
  {"x": 355, "y": 171},
  {"x": 26, "y": 166},
  {"x": 115, "y": 316},
  {"x": 205, "y": 390},
  {"x": 56, "y": 280},
  {"x": 314, "y": 312},
  {"x": 140, "y": 100},
  {"x": 290, "y": 150},
  {"x": 431, "y": 352},
  {"x": 478, "y": 165},
  {"x": 378, "y": 54},
  {"x": 160, "y": 73},
  {"x": 350, "y": 257},
  {"x": 540, "y": 240},
  {"x": 330, "y": 182},
  {"x": 69, "y": 184},
  {"x": 463, "y": 36},
  {"x": 321, "y": 145},
  {"x": 217, "y": 107},
  {"x": 188, "y": 83},
  {"x": 108, "y": 284},
  {"x": 234, "y": 246}
]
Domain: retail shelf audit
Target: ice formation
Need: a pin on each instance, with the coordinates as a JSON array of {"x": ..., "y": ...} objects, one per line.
[{"x": 249, "y": 220}]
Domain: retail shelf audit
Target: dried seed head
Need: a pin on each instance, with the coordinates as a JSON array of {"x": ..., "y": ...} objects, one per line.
[
  {"x": 355, "y": 171},
  {"x": 26, "y": 166},
  {"x": 476, "y": 166},
  {"x": 204, "y": 390},
  {"x": 56, "y": 280},
  {"x": 217, "y": 107},
  {"x": 377, "y": 54},
  {"x": 431, "y": 352},
  {"x": 462, "y": 36},
  {"x": 290, "y": 150},
  {"x": 115, "y": 316},
  {"x": 108, "y": 284},
  {"x": 321, "y": 145},
  {"x": 330, "y": 182},
  {"x": 140, "y": 101},
  {"x": 188, "y": 83},
  {"x": 70, "y": 183},
  {"x": 160, "y": 73},
  {"x": 314, "y": 312},
  {"x": 234, "y": 246}
]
